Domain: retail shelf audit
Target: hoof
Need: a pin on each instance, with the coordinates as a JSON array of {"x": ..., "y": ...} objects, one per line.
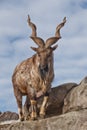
[
  {"x": 27, "y": 118},
  {"x": 42, "y": 116},
  {"x": 21, "y": 119},
  {"x": 33, "y": 118}
]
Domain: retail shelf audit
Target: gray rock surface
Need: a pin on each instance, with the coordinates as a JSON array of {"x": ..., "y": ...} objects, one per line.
[
  {"x": 77, "y": 98},
  {"x": 5, "y": 116},
  {"x": 76, "y": 120},
  {"x": 56, "y": 99}
]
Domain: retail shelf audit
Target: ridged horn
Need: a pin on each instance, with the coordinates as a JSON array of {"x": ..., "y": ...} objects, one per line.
[
  {"x": 53, "y": 40},
  {"x": 39, "y": 41}
]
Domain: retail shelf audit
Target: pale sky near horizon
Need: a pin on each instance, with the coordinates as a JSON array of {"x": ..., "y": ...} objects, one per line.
[{"x": 70, "y": 58}]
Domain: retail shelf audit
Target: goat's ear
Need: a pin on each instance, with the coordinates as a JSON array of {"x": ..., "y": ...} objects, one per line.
[
  {"x": 34, "y": 49},
  {"x": 54, "y": 47}
]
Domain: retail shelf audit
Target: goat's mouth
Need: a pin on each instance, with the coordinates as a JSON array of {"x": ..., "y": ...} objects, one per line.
[{"x": 43, "y": 71}]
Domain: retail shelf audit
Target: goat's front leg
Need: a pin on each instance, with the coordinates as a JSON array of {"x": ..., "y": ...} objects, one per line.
[
  {"x": 33, "y": 109},
  {"x": 43, "y": 106},
  {"x": 30, "y": 110},
  {"x": 33, "y": 103}
]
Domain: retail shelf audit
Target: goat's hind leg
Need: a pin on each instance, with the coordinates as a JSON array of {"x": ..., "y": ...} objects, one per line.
[
  {"x": 18, "y": 96},
  {"x": 26, "y": 109},
  {"x": 20, "y": 112}
]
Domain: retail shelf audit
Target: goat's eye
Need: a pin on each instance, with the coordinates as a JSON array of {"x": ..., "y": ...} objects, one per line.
[
  {"x": 38, "y": 54},
  {"x": 49, "y": 54}
]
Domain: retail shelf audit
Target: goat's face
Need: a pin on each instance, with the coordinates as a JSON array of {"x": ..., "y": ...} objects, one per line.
[
  {"x": 44, "y": 59},
  {"x": 44, "y": 55}
]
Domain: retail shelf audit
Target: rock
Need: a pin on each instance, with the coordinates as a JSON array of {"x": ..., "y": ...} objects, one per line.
[
  {"x": 76, "y": 120},
  {"x": 8, "y": 116},
  {"x": 77, "y": 98},
  {"x": 56, "y": 100}
]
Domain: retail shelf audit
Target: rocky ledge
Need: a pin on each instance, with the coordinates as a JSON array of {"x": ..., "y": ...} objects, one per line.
[{"x": 66, "y": 110}]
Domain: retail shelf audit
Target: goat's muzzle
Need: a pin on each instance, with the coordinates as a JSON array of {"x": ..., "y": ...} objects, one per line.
[{"x": 43, "y": 69}]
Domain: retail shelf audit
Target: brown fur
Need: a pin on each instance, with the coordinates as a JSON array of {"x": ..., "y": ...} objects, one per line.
[{"x": 33, "y": 77}]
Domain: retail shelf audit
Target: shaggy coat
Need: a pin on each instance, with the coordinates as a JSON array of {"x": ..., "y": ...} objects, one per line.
[{"x": 33, "y": 77}]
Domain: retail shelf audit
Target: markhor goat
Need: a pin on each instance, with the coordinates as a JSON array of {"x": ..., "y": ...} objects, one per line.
[{"x": 33, "y": 77}]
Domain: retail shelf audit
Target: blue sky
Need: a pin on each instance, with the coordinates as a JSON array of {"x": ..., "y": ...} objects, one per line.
[{"x": 70, "y": 59}]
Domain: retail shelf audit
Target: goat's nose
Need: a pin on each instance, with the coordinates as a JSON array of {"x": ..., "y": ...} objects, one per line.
[{"x": 44, "y": 67}]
